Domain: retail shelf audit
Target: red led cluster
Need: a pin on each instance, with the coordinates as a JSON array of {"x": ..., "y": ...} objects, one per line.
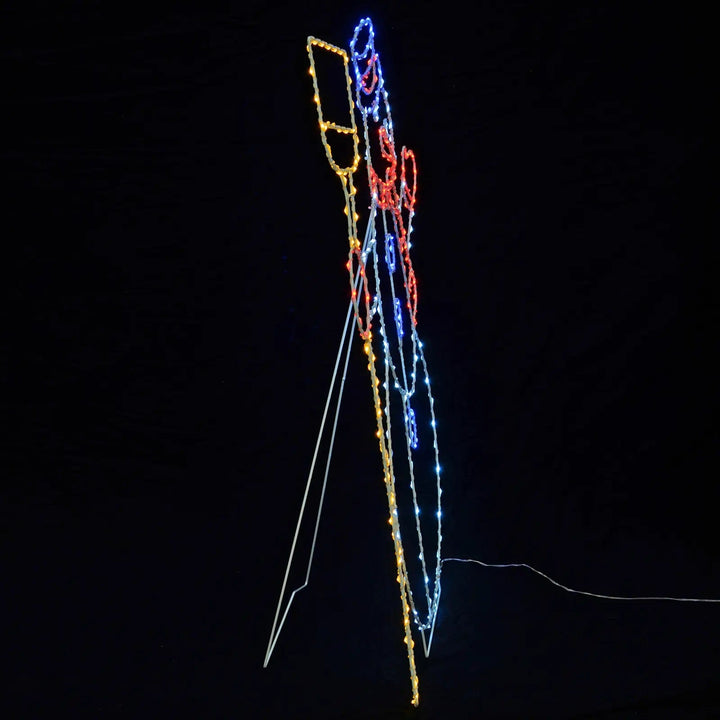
[
  {"x": 371, "y": 70},
  {"x": 389, "y": 197}
]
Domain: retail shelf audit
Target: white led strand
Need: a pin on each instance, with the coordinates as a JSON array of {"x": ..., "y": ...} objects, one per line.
[
  {"x": 405, "y": 396},
  {"x": 388, "y": 365}
]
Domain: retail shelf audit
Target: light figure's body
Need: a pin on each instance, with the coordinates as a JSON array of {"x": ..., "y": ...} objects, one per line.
[{"x": 392, "y": 194}]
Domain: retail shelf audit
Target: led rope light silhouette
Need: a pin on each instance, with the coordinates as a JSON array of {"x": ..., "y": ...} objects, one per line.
[
  {"x": 393, "y": 202},
  {"x": 372, "y": 102},
  {"x": 357, "y": 265},
  {"x": 395, "y": 206}
]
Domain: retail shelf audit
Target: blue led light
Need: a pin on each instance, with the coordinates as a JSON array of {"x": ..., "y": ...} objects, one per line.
[
  {"x": 412, "y": 429},
  {"x": 398, "y": 318},
  {"x": 370, "y": 44},
  {"x": 371, "y": 63},
  {"x": 390, "y": 252}
]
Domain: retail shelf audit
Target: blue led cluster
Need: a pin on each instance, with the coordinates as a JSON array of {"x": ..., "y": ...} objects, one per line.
[
  {"x": 398, "y": 317},
  {"x": 366, "y": 65},
  {"x": 412, "y": 429},
  {"x": 390, "y": 252}
]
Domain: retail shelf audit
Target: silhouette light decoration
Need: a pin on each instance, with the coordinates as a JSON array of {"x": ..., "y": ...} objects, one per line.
[
  {"x": 392, "y": 202},
  {"x": 384, "y": 300},
  {"x": 392, "y": 184}
]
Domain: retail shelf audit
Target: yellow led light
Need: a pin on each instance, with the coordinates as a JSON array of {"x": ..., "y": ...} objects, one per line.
[{"x": 350, "y": 128}]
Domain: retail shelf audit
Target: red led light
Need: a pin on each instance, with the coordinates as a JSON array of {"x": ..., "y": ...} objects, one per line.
[
  {"x": 408, "y": 196},
  {"x": 371, "y": 68}
]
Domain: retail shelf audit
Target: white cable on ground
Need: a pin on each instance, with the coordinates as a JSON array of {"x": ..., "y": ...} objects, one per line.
[{"x": 577, "y": 592}]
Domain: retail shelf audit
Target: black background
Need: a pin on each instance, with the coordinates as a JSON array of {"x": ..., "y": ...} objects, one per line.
[{"x": 174, "y": 291}]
